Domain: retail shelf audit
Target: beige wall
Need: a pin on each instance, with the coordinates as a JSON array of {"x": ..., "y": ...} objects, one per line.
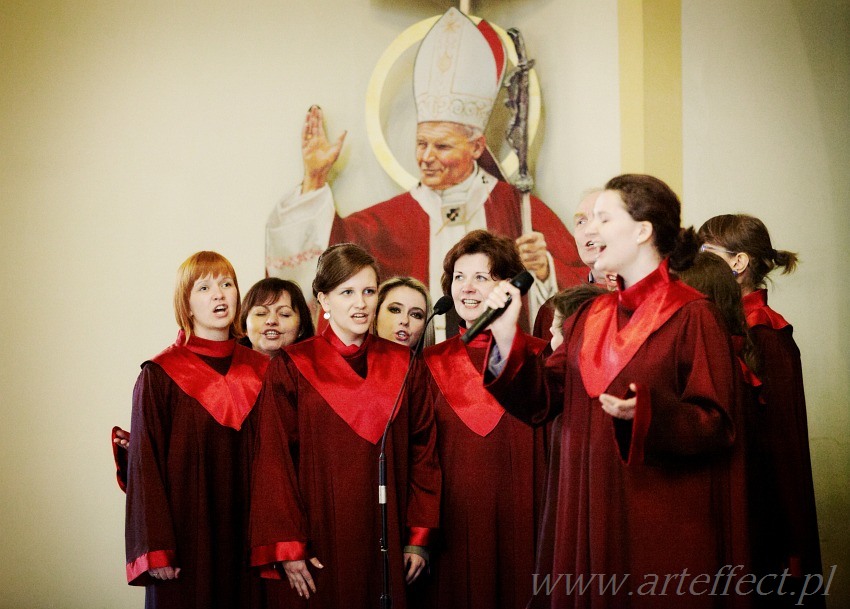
[{"x": 136, "y": 133}]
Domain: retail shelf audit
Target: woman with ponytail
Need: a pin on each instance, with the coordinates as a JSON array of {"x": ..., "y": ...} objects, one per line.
[
  {"x": 650, "y": 480},
  {"x": 784, "y": 523}
]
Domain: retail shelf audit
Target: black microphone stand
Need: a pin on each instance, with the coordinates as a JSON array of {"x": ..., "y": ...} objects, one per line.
[{"x": 440, "y": 308}]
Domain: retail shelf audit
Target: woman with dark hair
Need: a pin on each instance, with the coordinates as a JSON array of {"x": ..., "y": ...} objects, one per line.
[
  {"x": 275, "y": 315},
  {"x": 189, "y": 462},
  {"x": 650, "y": 480},
  {"x": 324, "y": 406},
  {"x": 404, "y": 305},
  {"x": 784, "y": 527},
  {"x": 493, "y": 465}
]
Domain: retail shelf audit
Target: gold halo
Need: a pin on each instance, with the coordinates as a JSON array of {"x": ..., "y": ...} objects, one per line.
[{"x": 405, "y": 40}]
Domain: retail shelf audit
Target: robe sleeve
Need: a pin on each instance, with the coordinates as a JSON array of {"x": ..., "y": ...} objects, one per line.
[
  {"x": 278, "y": 529},
  {"x": 297, "y": 232},
  {"x": 425, "y": 479},
  {"x": 786, "y": 447},
  {"x": 149, "y": 530},
  {"x": 690, "y": 416},
  {"x": 530, "y": 386}
]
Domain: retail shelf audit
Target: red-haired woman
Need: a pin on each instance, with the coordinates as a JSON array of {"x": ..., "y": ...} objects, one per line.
[
  {"x": 190, "y": 459},
  {"x": 274, "y": 315},
  {"x": 650, "y": 481},
  {"x": 784, "y": 523},
  {"x": 315, "y": 521},
  {"x": 493, "y": 465}
]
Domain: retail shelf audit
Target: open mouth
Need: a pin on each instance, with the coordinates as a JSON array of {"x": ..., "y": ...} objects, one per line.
[
  {"x": 402, "y": 336},
  {"x": 271, "y": 334},
  {"x": 220, "y": 309},
  {"x": 470, "y": 303}
]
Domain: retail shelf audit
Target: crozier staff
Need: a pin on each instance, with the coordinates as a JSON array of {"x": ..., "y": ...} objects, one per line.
[{"x": 645, "y": 388}]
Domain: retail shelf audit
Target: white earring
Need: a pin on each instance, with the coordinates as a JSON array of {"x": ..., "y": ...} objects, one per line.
[{"x": 326, "y": 315}]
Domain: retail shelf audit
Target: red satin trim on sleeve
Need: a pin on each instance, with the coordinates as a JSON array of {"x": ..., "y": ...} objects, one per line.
[
  {"x": 266, "y": 557},
  {"x": 151, "y": 560},
  {"x": 420, "y": 536},
  {"x": 759, "y": 314},
  {"x": 640, "y": 425},
  {"x": 119, "y": 455}
]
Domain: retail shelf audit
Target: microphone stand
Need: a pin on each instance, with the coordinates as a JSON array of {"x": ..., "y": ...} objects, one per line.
[{"x": 440, "y": 308}]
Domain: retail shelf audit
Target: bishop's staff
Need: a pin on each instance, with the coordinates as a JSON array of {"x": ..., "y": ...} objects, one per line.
[{"x": 517, "y": 134}]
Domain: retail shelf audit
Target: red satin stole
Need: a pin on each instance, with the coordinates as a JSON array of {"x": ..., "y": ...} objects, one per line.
[
  {"x": 749, "y": 376},
  {"x": 228, "y": 398},
  {"x": 605, "y": 348},
  {"x": 364, "y": 404},
  {"x": 462, "y": 384},
  {"x": 759, "y": 314}
]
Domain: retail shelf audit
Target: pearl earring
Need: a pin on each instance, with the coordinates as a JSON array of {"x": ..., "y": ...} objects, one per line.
[
  {"x": 734, "y": 273},
  {"x": 326, "y": 315}
]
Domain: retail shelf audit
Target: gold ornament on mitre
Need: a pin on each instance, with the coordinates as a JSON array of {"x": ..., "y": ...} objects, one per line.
[{"x": 458, "y": 71}]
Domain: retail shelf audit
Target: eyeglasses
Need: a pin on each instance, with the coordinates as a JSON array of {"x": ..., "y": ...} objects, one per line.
[{"x": 707, "y": 247}]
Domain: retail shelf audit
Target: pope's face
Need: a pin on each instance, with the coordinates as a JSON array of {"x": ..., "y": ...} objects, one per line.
[{"x": 444, "y": 153}]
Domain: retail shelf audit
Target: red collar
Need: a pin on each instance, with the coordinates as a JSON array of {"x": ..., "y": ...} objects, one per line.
[
  {"x": 759, "y": 314},
  {"x": 606, "y": 349},
  {"x": 228, "y": 398},
  {"x": 364, "y": 404},
  {"x": 482, "y": 340},
  {"x": 344, "y": 350}
]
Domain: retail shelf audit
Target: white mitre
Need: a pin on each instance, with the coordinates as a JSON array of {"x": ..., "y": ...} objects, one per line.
[{"x": 458, "y": 71}]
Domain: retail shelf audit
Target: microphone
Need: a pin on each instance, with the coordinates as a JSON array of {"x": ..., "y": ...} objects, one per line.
[
  {"x": 522, "y": 282},
  {"x": 441, "y": 307}
]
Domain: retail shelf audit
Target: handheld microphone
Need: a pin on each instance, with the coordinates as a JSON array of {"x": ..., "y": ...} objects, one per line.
[{"x": 522, "y": 282}]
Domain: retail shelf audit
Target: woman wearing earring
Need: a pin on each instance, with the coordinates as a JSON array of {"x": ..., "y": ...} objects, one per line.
[
  {"x": 784, "y": 523},
  {"x": 189, "y": 461},
  {"x": 315, "y": 521},
  {"x": 650, "y": 480}
]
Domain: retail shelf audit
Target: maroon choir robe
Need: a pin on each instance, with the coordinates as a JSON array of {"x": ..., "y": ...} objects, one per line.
[
  {"x": 188, "y": 470},
  {"x": 644, "y": 500},
  {"x": 493, "y": 477},
  {"x": 784, "y": 523},
  {"x": 323, "y": 409},
  {"x": 397, "y": 233}
]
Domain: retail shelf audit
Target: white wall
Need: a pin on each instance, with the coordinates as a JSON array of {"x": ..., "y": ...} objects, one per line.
[
  {"x": 133, "y": 134},
  {"x": 766, "y": 85}
]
